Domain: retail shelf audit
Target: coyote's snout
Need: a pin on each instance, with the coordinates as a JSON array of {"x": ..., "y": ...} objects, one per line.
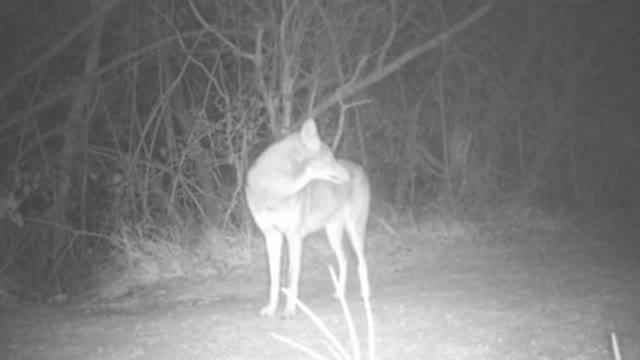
[{"x": 296, "y": 187}]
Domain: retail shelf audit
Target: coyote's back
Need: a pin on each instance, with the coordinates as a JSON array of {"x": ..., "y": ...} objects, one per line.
[{"x": 297, "y": 187}]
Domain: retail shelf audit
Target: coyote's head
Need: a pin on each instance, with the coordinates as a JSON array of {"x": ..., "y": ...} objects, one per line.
[{"x": 315, "y": 160}]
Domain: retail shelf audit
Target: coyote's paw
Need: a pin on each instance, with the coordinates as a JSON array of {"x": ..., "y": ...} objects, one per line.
[
  {"x": 338, "y": 294},
  {"x": 268, "y": 310},
  {"x": 289, "y": 312}
]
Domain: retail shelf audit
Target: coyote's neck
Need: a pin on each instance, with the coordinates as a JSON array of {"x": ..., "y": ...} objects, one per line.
[{"x": 275, "y": 182}]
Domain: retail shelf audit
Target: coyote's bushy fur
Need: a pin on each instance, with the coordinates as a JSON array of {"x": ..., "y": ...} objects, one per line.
[{"x": 297, "y": 187}]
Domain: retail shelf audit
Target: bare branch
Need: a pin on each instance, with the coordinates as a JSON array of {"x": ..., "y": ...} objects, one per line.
[
  {"x": 332, "y": 40},
  {"x": 392, "y": 35},
  {"x": 61, "y": 94},
  {"x": 219, "y": 34},
  {"x": 80, "y": 28},
  {"x": 384, "y": 71},
  {"x": 356, "y": 73},
  {"x": 341, "y": 119}
]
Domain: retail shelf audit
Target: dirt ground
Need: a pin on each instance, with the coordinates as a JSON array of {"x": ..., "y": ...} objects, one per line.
[{"x": 535, "y": 294}]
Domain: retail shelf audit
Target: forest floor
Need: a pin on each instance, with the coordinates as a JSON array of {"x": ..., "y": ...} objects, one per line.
[{"x": 535, "y": 293}]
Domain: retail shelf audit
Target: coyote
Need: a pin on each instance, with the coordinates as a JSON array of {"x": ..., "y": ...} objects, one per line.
[{"x": 296, "y": 187}]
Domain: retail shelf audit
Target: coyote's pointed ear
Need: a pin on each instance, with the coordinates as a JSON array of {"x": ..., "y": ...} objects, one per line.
[{"x": 309, "y": 135}]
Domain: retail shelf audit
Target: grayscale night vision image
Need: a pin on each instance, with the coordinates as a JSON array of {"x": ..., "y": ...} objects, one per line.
[{"x": 319, "y": 179}]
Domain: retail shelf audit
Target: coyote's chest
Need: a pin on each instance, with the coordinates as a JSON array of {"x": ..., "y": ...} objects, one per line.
[{"x": 307, "y": 211}]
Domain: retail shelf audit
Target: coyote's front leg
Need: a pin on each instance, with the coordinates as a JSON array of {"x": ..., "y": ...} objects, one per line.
[
  {"x": 294, "y": 243},
  {"x": 273, "y": 242}
]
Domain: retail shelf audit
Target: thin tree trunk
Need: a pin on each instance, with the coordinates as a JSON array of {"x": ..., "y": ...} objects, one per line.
[{"x": 75, "y": 143}]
